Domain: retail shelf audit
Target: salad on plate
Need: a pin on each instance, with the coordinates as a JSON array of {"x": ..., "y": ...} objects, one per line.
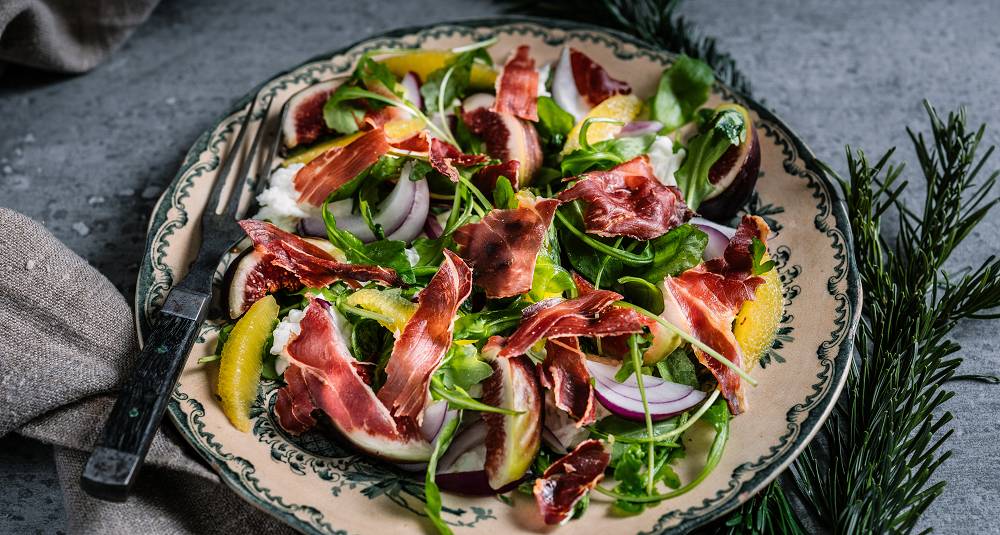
[{"x": 519, "y": 277}]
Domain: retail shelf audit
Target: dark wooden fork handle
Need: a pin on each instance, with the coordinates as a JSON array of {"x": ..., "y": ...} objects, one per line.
[{"x": 129, "y": 430}]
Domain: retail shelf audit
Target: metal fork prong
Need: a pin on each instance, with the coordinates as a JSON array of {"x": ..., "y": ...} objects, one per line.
[
  {"x": 264, "y": 171},
  {"x": 233, "y": 207},
  {"x": 227, "y": 164}
]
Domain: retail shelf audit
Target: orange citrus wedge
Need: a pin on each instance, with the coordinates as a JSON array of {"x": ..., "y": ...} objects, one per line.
[
  {"x": 624, "y": 108},
  {"x": 424, "y": 62},
  {"x": 242, "y": 360},
  {"x": 758, "y": 320}
]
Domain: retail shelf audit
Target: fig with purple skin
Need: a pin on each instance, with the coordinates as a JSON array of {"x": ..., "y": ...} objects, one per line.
[
  {"x": 512, "y": 441},
  {"x": 507, "y": 137},
  {"x": 251, "y": 276},
  {"x": 302, "y": 121}
]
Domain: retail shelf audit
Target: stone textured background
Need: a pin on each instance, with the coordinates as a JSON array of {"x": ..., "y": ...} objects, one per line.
[{"x": 89, "y": 155}]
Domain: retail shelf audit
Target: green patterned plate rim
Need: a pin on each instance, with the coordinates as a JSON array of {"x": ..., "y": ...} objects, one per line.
[{"x": 834, "y": 353}]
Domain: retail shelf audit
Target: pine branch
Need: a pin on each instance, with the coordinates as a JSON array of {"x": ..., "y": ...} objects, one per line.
[{"x": 654, "y": 21}]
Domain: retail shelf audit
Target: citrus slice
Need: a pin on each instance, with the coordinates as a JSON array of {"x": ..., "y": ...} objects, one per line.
[
  {"x": 388, "y": 303},
  {"x": 313, "y": 152},
  {"x": 758, "y": 320},
  {"x": 242, "y": 360},
  {"x": 424, "y": 62},
  {"x": 624, "y": 108},
  {"x": 398, "y": 130}
]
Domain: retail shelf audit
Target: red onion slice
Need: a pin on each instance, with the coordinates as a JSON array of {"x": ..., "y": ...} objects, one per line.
[
  {"x": 640, "y": 128},
  {"x": 664, "y": 399},
  {"x": 411, "y": 89},
  {"x": 564, "y": 90},
  {"x": 466, "y": 440},
  {"x": 436, "y": 415},
  {"x": 432, "y": 227},
  {"x": 718, "y": 237},
  {"x": 411, "y": 227}
]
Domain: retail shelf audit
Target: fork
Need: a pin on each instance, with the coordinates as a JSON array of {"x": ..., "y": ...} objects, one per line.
[{"x": 128, "y": 432}]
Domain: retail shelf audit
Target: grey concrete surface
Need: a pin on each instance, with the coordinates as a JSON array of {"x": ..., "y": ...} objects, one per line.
[{"x": 88, "y": 155}]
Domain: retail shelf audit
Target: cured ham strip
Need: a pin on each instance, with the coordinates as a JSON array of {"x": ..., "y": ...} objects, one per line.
[
  {"x": 710, "y": 295},
  {"x": 486, "y": 178},
  {"x": 628, "y": 200},
  {"x": 321, "y": 366},
  {"x": 568, "y": 479},
  {"x": 565, "y": 374},
  {"x": 517, "y": 86},
  {"x": 425, "y": 339},
  {"x": 503, "y": 247},
  {"x": 337, "y": 166},
  {"x": 538, "y": 319},
  {"x": 444, "y": 157},
  {"x": 310, "y": 264},
  {"x": 592, "y": 81}
]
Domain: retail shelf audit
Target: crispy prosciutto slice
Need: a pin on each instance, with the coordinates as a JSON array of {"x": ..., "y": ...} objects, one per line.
[
  {"x": 565, "y": 374},
  {"x": 502, "y": 248},
  {"x": 310, "y": 264},
  {"x": 628, "y": 200},
  {"x": 592, "y": 81},
  {"x": 322, "y": 375},
  {"x": 425, "y": 339},
  {"x": 568, "y": 479},
  {"x": 709, "y": 297},
  {"x": 444, "y": 158},
  {"x": 337, "y": 166},
  {"x": 517, "y": 86}
]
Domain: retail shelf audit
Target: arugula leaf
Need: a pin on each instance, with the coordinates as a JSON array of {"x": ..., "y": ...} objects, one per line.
[
  {"x": 373, "y": 74},
  {"x": 675, "y": 252},
  {"x": 458, "y": 398},
  {"x": 642, "y": 293},
  {"x": 549, "y": 276},
  {"x": 503, "y": 195},
  {"x": 554, "y": 123},
  {"x": 727, "y": 129},
  {"x": 385, "y": 253},
  {"x": 366, "y": 216},
  {"x": 606, "y": 154},
  {"x": 451, "y": 81},
  {"x": 484, "y": 324},
  {"x": 369, "y": 339},
  {"x": 683, "y": 88},
  {"x": 757, "y": 252},
  {"x": 678, "y": 368},
  {"x": 463, "y": 368},
  {"x": 432, "y": 494}
]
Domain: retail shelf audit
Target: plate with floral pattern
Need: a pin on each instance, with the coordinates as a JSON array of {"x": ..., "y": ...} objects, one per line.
[{"x": 317, "y": 485}]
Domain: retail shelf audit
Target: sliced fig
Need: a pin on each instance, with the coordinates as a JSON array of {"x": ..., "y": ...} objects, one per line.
[
  {"x": 734, "y": 175},
  {"x": 302, "y": 122},
  {"x": 512, "y": 441},
  {"x": 507, "y": 137},
  {"x": 251, "y": 276}
]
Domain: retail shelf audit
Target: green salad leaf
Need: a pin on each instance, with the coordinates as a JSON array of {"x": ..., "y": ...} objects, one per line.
[
  {"x": 432, "y": 494},
  {"x": 726, "y": 129},
  {"x": 757, "y": 252},
  {"x": 604, "y": 155},
  {"x": 675, "y": 252},
  {"x": 554, "y": 123},
  {"x": 682, "y": 89}
]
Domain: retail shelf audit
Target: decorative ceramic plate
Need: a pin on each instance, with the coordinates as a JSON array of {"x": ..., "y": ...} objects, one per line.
[{"x": 316, "y": 486}]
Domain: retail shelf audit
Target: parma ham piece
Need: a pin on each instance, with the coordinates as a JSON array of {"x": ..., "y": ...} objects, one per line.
[
  {"x": 628, "y": 200},
  {"x": 502, "y": 248},
  {"x": 565, "y": 374},
  {"x": 310, "y": 264},
  {"x": 322, "y": 375},
  {"x": 517, "y": 86},
  {"x": 337, "y": 166},
  {"x": 569, "y": 479},
  {"x": 710, "y": 295},
  {"x": 425, "y": 339},
  {"x": 444, "y": 157},
  {"x": 592, "y": 81}
]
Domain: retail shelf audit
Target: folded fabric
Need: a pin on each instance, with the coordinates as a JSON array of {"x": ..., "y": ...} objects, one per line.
[
  {"x": 68, "y": 341},
  {"x": 67, "y": 35}
]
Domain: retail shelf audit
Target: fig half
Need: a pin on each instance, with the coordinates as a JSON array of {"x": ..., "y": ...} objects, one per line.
[
  {"x": 507, "y": 137},
  {"x": 512, "y": 441},
  {"x": 251, "y": 276},
  {"x": 302, "y": 122},
  {"x": 734, "y": 175}
]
